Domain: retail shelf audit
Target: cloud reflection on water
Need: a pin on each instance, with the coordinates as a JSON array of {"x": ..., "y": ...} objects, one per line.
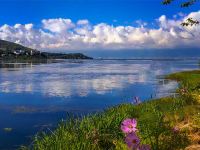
[
  {"x": 68, "y": 79},
  {"x": 84, "y": 85}
]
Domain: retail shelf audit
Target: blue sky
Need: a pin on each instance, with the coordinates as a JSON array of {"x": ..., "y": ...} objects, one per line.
[
  {"x": 117, "y": 12},
  {"x": 98, "y": 25}
]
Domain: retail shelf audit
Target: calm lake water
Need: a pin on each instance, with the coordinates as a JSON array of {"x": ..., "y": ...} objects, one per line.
[{"x": 35, "y": 97}]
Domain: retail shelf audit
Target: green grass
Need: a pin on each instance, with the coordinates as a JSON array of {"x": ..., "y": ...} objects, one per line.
[
  {"x": 155, "y": 118},
  {"x": 189, "y": 79}
]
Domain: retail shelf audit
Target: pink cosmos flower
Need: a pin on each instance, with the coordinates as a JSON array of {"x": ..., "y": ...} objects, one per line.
[
  {"x": 132, "y": 141},
  {"x": 129, "y": 125},
  {"x": 144, "y": 147}
]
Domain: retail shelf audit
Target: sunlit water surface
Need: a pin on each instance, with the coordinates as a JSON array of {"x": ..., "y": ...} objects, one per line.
[{"x": 34, "y": 97}]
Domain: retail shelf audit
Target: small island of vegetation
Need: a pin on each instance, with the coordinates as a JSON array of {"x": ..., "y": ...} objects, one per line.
[{"x": 169, "y": 123}]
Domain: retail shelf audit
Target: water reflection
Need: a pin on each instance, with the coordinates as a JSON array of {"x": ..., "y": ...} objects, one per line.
[
  {"x": 34, "y": 95},
  {"x": 15, "y": 65},
  {"x": 68, "y": 79}
]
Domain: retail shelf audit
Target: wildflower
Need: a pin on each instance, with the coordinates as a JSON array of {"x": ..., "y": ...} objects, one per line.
[
  {"x": 129, "y": 125},
  {"x": 175, "y": 130},
  {"x": 136, "y": 100},
  {"x": 183, "y": 91},
  {"x": 144, "y": 147},
  {"x": 132, "y": 141}
]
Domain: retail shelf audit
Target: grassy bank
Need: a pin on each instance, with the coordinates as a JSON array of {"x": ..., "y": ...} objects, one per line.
[{"x": 164, "y": 124}]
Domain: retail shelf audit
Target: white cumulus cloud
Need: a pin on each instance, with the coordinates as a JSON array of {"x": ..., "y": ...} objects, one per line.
[
  {"x": 64, "y": 34},
  {"x": 57, "y": 25}
]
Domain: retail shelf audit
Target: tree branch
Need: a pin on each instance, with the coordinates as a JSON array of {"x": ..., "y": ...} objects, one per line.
[
  {"x": 183, "y": 4},
  {"x": 190, "y": 22},
  {"x": 188, "y": 3}
]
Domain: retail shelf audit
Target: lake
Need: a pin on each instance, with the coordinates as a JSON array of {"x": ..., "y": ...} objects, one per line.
[{"x": 35, "y": 97}]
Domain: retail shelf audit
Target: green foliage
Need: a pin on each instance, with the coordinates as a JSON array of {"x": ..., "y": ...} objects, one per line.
[
  {"x": 166, "y": 2},
  {"x": 188, "y": 79},
  {"x": 188, "y": 3},
  {"x": 190, "y": 22},
  {"x": 183, "y": 4},
  {"x": 102, "y": 131}
]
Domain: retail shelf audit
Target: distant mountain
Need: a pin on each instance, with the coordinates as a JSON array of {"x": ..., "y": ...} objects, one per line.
[{"x": 10, "y": 50}]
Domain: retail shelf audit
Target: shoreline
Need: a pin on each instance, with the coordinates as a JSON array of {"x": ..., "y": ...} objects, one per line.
[{"x": 104, "y": 128}]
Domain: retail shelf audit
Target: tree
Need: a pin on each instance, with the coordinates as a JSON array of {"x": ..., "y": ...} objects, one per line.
[{"x": 188, "y": 3}]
